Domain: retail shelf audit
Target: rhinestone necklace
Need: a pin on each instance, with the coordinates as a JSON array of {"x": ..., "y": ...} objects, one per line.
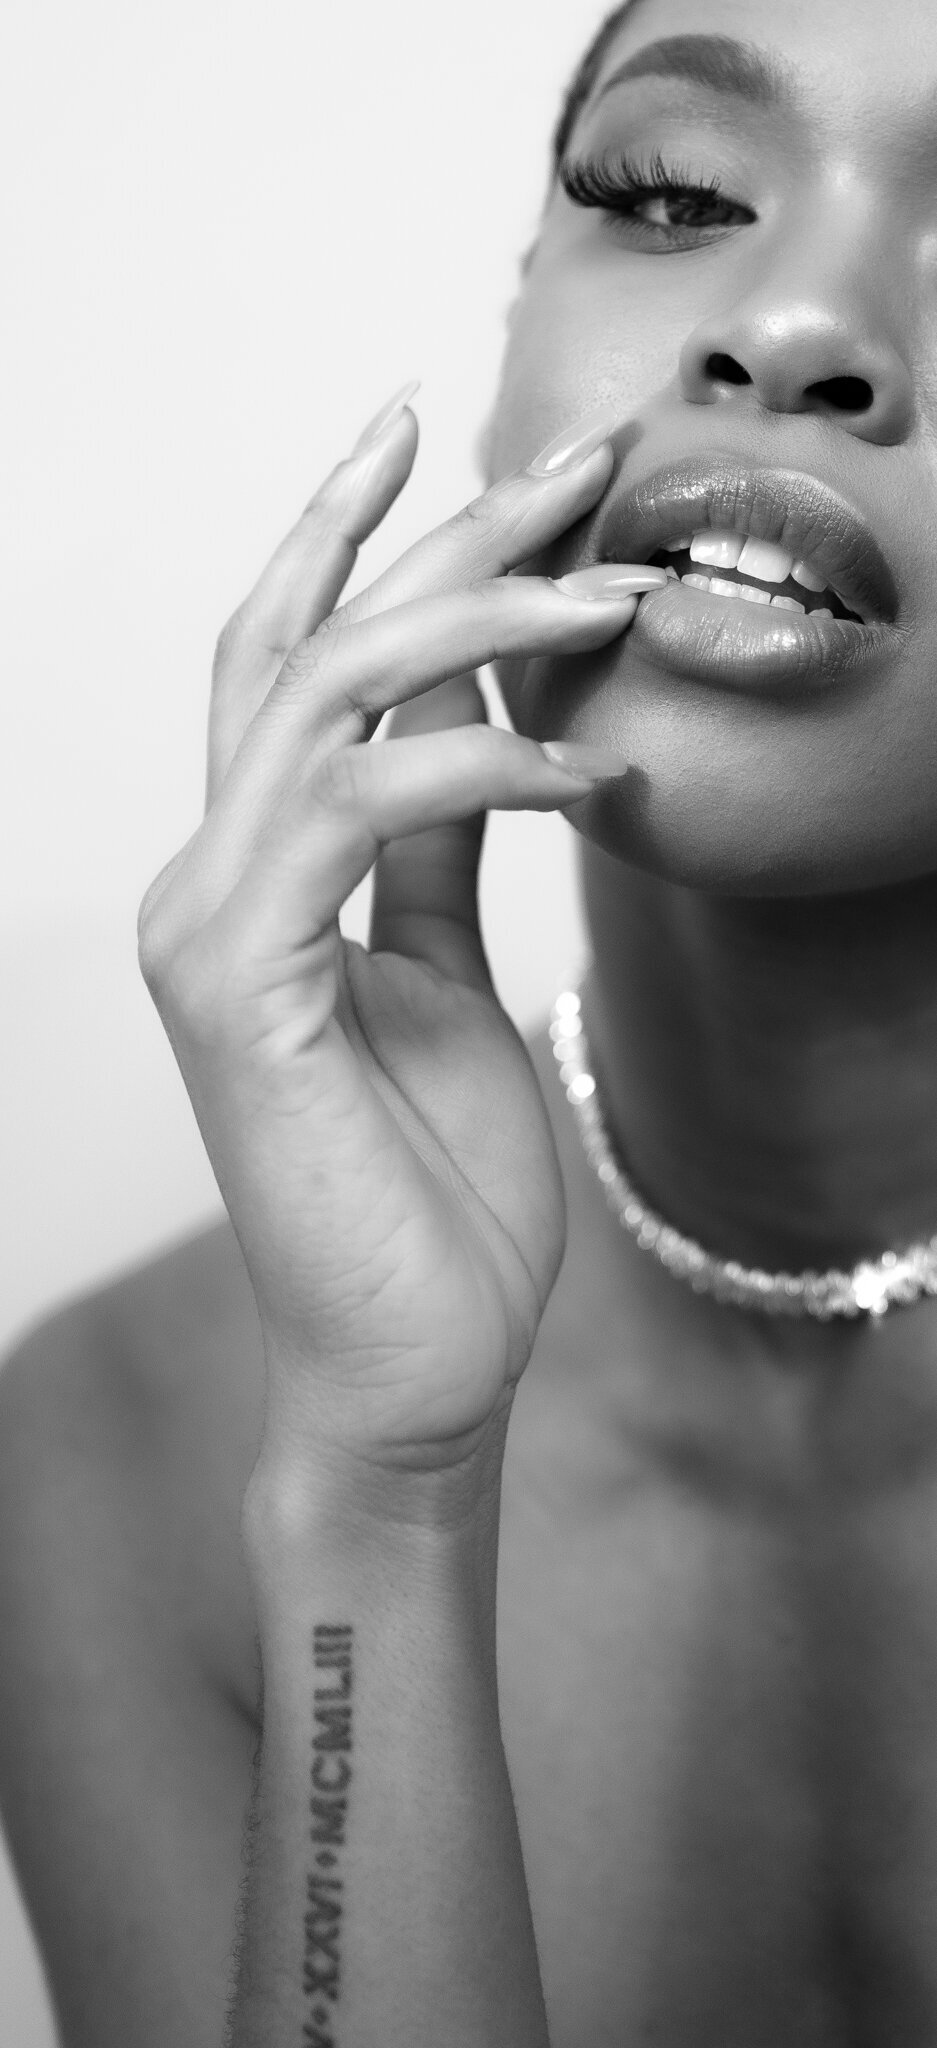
[{"x": 873, "y": 1287}]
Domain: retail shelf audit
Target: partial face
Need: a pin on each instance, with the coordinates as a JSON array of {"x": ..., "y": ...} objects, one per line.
[{"x": 743, "y": 259}]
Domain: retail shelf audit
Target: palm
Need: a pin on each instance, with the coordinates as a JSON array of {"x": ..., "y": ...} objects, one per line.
[{"x": 442, "y": 1189}]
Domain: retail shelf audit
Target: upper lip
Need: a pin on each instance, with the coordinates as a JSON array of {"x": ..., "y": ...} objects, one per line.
[{"x": 782, "y": 505}]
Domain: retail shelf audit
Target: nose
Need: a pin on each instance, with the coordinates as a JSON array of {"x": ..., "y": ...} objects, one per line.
[{"x": 806, "y": 336}]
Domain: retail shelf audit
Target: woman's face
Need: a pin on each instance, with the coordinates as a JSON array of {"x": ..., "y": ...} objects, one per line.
[{"x": 762, "y": 312}]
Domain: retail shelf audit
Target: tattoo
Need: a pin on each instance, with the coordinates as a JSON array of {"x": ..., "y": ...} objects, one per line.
[{"x": 330, "y": 1778}]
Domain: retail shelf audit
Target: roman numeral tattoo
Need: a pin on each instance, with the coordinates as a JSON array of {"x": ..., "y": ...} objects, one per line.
[{"x": 330, "y": 1779}]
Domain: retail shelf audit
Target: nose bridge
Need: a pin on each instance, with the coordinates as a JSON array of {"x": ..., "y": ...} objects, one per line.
[{"x": 816, "y": 324}]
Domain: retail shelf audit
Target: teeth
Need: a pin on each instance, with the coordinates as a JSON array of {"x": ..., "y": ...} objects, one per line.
[
  {"x": 762, "y": 559},
  {"x": 720, "y": 550},
  {"x": 721, "y": 587},
  {"x": 803, "y": 574},
  {"x": 717, "y": 548},
  {"x": 728, "y": 550}
]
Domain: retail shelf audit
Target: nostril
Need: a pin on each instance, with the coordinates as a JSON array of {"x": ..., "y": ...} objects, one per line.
[
  {"x": 725, "y": 370},
  {"x": 844, "y": 394}
]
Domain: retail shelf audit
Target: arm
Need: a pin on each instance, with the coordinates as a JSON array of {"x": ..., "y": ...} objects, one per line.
[
  {"x": 381, "y": 1143},
  {"x": 386, "y": 1899}
]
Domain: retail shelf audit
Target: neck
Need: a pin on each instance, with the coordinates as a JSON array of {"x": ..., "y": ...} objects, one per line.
[{"x": 769, "y": 1068}]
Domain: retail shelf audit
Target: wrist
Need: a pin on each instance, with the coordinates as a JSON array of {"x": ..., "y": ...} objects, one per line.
[
  {"x": 410, "y": 1407},
  {"x": 346, "y": 1517}
]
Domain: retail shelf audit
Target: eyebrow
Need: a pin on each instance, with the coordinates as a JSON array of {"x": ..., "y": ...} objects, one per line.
[{"x": 716, "y": 62}]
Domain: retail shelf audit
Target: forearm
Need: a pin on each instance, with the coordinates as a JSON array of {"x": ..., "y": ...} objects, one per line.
[{"x": 386, "y": 1899}]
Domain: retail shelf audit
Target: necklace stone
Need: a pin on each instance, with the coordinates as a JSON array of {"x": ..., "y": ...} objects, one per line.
[{"x": 895, "y": 1280}]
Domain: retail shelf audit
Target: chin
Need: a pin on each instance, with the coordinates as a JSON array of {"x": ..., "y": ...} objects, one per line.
[{"x": 739, "y": 795}]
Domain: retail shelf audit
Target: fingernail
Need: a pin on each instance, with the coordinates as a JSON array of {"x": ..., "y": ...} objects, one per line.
[
  {"x": 575, "y": 443},
  {"x": 593, "y": 764},
  {"x": 387, "y": 417},
  {"x": 612, "y": 580}
]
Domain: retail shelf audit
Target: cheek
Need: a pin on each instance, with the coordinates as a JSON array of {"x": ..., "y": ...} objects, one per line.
[{"x": 578, "y": 338}]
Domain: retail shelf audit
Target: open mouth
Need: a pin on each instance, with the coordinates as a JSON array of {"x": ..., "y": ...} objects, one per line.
[
  {"x": 770, "y": 537},
  {"x": 784, "y": 586},
  {"x": 729, "y": 564}
]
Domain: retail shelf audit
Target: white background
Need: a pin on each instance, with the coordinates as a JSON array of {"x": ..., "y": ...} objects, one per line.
[{"x": 228, "y": 233}]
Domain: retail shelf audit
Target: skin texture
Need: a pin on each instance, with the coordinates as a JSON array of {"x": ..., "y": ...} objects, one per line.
[
  {"x": 834, "y": 278},
  {"x": 717, "y": 1575},
  {"x": 813, "y": 1139}
]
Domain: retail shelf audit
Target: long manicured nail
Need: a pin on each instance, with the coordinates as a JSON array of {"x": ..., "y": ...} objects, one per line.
[
  {"x": 614, "y": 580},
  {"x": 575, "y": 443},
  {"x": 387, "y": 417},
  {"x": 592, "y": 764}
]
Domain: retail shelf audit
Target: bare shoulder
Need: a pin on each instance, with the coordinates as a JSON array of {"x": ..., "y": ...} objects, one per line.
[{"x": 129, "y": 1422}]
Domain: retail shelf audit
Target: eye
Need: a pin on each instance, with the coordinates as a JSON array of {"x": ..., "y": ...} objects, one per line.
[
  {"x": 683, "y": 206},
  {"x": 656, "y": 207}
]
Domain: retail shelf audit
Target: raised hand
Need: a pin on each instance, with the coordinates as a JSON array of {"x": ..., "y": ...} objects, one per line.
[{"x": 372, "y": 1117}]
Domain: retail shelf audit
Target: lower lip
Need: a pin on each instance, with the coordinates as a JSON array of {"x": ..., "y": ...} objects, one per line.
[{"x": 733, "y": 644}]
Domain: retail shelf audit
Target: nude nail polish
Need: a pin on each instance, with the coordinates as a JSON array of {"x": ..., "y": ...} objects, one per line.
[
  {"x": 573, "y": 446},
  {"x": 594, "y": 764},
  {"x": 387, "y": 417},
  {"x": 612, "y": 581}
]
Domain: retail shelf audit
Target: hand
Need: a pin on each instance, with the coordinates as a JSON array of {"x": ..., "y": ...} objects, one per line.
[{"x": 372, "y": 1117}]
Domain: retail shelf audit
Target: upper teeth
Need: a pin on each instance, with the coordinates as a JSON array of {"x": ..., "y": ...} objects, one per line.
[{"x": 762, "y": 558}]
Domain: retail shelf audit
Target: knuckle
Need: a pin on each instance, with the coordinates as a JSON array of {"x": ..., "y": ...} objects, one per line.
[
  {"x": 477, "y": 518},
  {"x": 154, "y": 955},
  {"x": 154, "y": 929},
  {"x": 311, "y": 680},
  {"x": 305, "y": 667},
  {"x": 497, "y": 594},
  {"x": 229, "y": 641},
  {"x": 200, "y": 987},
  {"x": 323, "y": 516},
  {"x": 493, "y": 519},
  {"x": 336, "y": 783},
  {"x": 190, "y": 990},
  {"x": 333, "y": 623},
  {"x": 150, "y": 950},
  {"x": 164, "y": 921}
]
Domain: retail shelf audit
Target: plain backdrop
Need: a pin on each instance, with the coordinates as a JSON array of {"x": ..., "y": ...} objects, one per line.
[{"x": 229, "y": 231}]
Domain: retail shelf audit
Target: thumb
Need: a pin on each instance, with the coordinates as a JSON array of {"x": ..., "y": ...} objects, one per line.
[{"x": 425, "y": 900}]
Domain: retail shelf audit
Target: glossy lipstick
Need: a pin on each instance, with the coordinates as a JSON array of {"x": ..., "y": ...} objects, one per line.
[{"x": 731, "y": 643}]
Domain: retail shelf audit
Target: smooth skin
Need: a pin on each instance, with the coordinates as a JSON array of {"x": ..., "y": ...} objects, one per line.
[{"x": 713, "y": 1569}]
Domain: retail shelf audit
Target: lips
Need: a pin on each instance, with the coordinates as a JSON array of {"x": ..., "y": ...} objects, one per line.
[
  {"x": 785, "y": 506},
  {"x": 720, "y": 639}
]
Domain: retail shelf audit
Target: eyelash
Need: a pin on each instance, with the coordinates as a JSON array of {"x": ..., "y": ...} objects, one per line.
[{"x": 621, "y": 184}]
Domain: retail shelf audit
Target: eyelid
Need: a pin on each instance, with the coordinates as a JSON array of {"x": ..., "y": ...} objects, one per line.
[
  {"x": 598, "y": 180},
  {"x": 610, "y": 182}
]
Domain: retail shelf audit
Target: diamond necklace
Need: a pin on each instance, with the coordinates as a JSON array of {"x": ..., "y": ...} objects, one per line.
[{"x": 873, "y": 1287}]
